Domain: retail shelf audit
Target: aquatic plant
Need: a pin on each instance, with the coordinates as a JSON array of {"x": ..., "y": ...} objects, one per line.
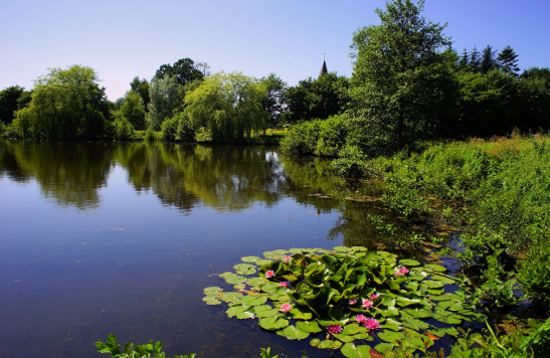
[{"x": 349, "y": 293}]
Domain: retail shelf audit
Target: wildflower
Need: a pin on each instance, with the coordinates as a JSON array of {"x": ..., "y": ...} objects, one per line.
[
  {"x": 360, "y": 318},
  {"x": 283, "y": 284},
  {"x": 352, "y": 301},
  {"x": 269, "y": 273},
  {"x": 334, "y": 329},
  {"x": 286, "y": 307},
  {"x": 367, "y": 303},
  {"x": 287, "y": 258},
  {"x": 374, "y": 296},
  {"x": 372, "y": 324}
]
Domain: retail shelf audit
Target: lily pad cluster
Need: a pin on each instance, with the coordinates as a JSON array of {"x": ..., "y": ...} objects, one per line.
[{"x": 345, "y": 296}]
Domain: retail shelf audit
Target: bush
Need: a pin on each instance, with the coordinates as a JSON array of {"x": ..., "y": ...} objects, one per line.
[
  {"x": 123, "y": 129},
  {"x": 318, "y": 137},
  {"x": 168, "y": 129},
  {"x": 534, "y": 276}
]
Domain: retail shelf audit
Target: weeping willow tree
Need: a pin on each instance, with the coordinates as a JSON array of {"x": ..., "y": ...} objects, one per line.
[{"x": 228, "y": 105}]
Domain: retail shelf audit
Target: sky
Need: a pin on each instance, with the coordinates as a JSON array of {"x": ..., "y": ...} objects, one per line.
[{"x": 122, "y": 39}]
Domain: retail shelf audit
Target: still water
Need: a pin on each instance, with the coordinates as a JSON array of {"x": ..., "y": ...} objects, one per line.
[{"x": 100, "y": 238}]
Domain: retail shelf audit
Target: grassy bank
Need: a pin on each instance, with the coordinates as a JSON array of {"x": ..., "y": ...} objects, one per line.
[{"x": 495, "y": 193}]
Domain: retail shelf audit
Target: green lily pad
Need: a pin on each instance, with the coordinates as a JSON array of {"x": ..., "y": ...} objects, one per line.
[
  {"x": 293, "y": 333},
  {"x": 309, "y": 326},
  {"x": 314, "y": 342},
  {"x": 212, "y": 291},
  {"x": 235, "y": 279},
  {"x": 253, "y": 259},
  {"x": 301, "y": 313},
  {"x": 211, "y": 300},
  {"x": 256, "y": 281},
  {"x": 263, "y": 311},
  {"x": 253, "y": 301},
  {"x": 409, "y": 262},
  {"x": 351, "y": 329},
  {"x": 232, "y": 311},
  {"x": 437, "y": 268},
  {"x": 328, "y": 344},
  {"x": 384, "y": 348},
  {"x": 443, "y": 280},
  {"x": 344, "y": 338},
  {"x": 244, "y": 315},
  {"x": 273, "y": 323},
  {"x": 245, "y": 269},
  {"x": 415, "y": 324},
  {"x": 391, "y": 337}
]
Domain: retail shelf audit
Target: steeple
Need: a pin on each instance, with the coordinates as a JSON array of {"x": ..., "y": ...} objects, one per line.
[{"x": 323, "y": 69}]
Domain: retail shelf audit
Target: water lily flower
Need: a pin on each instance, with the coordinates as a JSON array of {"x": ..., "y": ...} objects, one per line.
[
  {"x": 283, "y": 284},
  {"x": 360, "y": 318},
  {"x": 287, "y": 258},
  {"x": 404, "y": 271},
  {"x": 286, "y": 307},
  {"x": 352, "y": 301},
  {"x": 367, "y": 303},
  {"x": 269, "y": 273},
  {"x": 372, "y": 324},
  {"x": 334, "y": 329},
  {"x": 374, "y": 296}
]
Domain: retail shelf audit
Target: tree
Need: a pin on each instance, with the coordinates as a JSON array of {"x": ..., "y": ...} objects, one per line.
[
  {"x": 316, "y": 99},
  {"x": 65, "y": 104},
  {"x": 464, "y": 63},
  {"x": 203, "y": 68},
  {"x": 399, "y": 75},
  {"x": 508, "y": 61},
  {"x": 274, "y": 100},
  {"x": 141, "y": 87},
  {"x": 9, "y": 98},
  {"x": 166, "y": 97},
  {"x": 228, "y": 105},
  {"x": 132, "y": 110},
  {"x": 475, "y": 60},
  {"x": 183, "y": 71},
  {"x": 488, "y": 60}
]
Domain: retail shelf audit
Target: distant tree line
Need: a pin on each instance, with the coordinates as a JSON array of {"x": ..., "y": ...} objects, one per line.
[{"x": 408, "y": 84}]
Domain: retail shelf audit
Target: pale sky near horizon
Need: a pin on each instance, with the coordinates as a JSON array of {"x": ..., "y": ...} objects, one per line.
[{"x": 122, "y": 39}]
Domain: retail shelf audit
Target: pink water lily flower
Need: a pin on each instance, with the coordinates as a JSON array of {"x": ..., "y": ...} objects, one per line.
[
  {"x": 372, "y": 324},
  {"x": 286, "y": 258},
  {"x": 367, "y": 303},
  {"x": 283, "y": 284},
  {"x": 269, "y": 273},
  {"x": 352, "y": 301},
  {"x": 334, "y": 329},
  {"x": 360, "y": 318},
  {"x": 286, "y": 307},
  {"x": 374, "y": 296},
  {"x": 404, "y": 271}
]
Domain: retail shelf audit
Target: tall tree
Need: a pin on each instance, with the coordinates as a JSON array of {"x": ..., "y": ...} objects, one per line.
[
  {"x": 316, "y": 99},
  {"x": 65, "y": 104},
  {"x": 228, "y": 105},
  {"x": 203, "y": 68},
  {"x": 274, "y": 100},
  {"x": 183, "y": 71},
  {"x": 166, "y": 97},
  {"x": 464, "y": 62},
  {"x": 508, "y": 61},
  {"x": 488, "y": 60},
  {"x": 9, "y": 98},
  {"x": 141, "y": 87},
  {"x": 475, "y": 60},
  {"x": 132, "y": 110},
  {"x": 398, "y": 76}
]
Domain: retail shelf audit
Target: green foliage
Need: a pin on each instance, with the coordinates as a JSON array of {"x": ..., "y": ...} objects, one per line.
[
  {"x": 132, "y": 109},
  {"x": 183, "y": 71},
  {"x": 130, "y": 351},
  {"x": 508, "y": 60},
  {"x": 315, "y": 99},
  {"x": 274, "y": 99},
  {"x": 318, "y": 137},
  {"x": 169, "y": 129},
  {"x": 337, "y": 291},
  {"x": 534, "y": 275},
  {"x": 123, "y": 129},
  {"x": 402, "y": 86},
  {"x": 166, "y": 98},
  {"x": 9, "y": 103},
  {"x": 141, "y": 87},
  {"x": 66, "y": 104},
  {"x": 228, "y": 106}
]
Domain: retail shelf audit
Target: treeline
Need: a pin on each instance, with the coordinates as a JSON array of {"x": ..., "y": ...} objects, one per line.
[
  {"x": 183, "y": 102},
  {"x": 409, "y": 85}
]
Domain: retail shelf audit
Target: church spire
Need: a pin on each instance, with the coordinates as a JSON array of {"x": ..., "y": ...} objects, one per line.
[{"x": 323, "y": 69}]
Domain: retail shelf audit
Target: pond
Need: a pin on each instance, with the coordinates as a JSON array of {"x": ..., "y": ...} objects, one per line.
[{"x": 100, "y": 238}]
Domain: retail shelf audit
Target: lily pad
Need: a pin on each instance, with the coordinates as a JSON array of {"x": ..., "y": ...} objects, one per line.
[
  {"x": 253, "y": 301},
  {"x": 253, "y": 259},
  {"x": 233, "y": 280},
  {"x": 212, "y": 291},
  {"x": 273, "y": 323},
  {"x": 437, "y": 268},
  {"x": 245, "y": 269},
  {"x": 211, "y": 300},
  {"x": 409, "y": 262},
  {"x": 309, "y": 326},
  {"x": 293, "y": 333},
  {"x": 391, "y": 337}
]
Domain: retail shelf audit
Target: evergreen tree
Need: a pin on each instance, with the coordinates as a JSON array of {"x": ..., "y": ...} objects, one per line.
[
  {"x": 464, "y": 63},
  {"x": 508, "y": 61},
  {"x": 488, "y": 60},
  {"x": 475, "y": 60}
]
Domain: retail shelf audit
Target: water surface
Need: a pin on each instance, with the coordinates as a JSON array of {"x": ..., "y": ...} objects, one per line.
[{"x": 100, "y": 238}]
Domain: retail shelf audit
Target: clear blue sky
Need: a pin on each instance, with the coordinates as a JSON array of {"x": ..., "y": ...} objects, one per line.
[{"x": 122, "y": 39}]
